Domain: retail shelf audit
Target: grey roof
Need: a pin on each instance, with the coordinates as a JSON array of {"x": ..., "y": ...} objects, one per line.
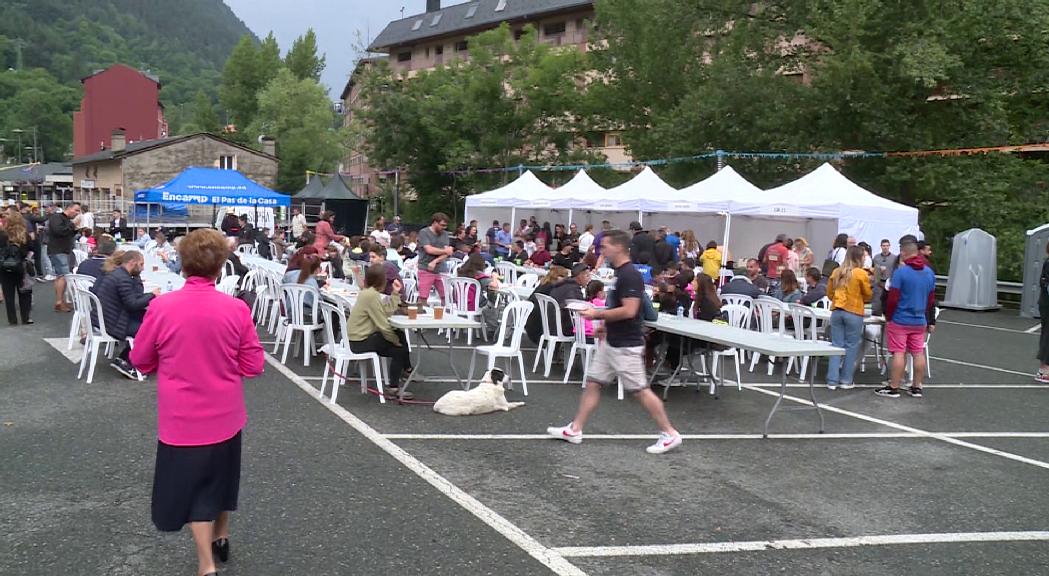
[
  {"x": 34, "y": 173},
  {"x": 143, "y": 145},
  {"x": 453, "y": 19},
  {"x": 336, "y": 189},
  {"x": 149, "y": 75},
  {"x": 313, "y": 190}
]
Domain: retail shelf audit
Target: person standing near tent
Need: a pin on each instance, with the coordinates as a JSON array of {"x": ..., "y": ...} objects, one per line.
[
  {"x": 433, "y": 250},
  {"x": 298, "y": 224},
  {"x": 1043, "y": 309},
  {"x": 911, "y": 297},
  {"x": 230, "y": 223},
  {"x": 849, "y": 288}
]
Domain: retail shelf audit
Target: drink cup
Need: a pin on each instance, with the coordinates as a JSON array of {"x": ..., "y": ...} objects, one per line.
[
  {"x": 413, "y": 313},
  {"x": 438, "y": 313}
]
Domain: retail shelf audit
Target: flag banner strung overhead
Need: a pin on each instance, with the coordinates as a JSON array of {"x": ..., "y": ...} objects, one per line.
[{"x": 213, "y": 186}]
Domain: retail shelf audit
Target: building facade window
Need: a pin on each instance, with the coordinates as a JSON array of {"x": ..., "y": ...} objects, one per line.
[
  {"x": 462, "y": 46},
  {"x": 404, "y": 56},
  {"x": 613, "y": 140},
  {"x": 227, "y": 162},
  {"x": 553, "y": 29}
]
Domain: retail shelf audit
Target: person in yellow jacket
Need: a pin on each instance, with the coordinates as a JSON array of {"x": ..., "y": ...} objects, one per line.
[
  {"x": 711, "y": 260},
  {"x": 849, "y": 289}
]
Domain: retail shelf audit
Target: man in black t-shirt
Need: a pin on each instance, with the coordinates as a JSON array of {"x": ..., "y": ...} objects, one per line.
[{"x": 622, "y": 353}]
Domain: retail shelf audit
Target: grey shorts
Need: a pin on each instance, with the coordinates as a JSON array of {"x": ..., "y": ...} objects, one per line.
[
  {"x": 60, "y": 262},
  {"x": 625, "y": 364}
]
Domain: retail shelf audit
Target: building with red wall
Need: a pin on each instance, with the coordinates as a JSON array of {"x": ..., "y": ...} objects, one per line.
[{"x": 119, "y": 97}]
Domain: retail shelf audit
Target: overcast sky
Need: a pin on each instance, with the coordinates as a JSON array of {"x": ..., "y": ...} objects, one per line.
[{"x": 342, "y": 26}]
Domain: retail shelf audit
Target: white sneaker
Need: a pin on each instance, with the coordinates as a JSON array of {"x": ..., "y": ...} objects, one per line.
[
  {"x": 846, "y": 386},
  {"x": 832, "y": 386},
  {"x": 565, "y": 433},
  {"x": 666, "y": 443},
  {"x": 49, "y": 278}
]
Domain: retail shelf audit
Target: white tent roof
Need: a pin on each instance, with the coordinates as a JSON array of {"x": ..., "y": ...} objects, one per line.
[
  {"x": 825, "y": 193},
  {"x": 522, "y": 192},
  {"x": 717, "y": 193},
  {"x": 581, "y": 188},
  {"x": 646, "y": 191}
]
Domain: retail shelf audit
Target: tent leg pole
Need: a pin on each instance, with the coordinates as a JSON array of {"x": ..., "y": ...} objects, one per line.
[
  {"x": 724, "y": 250},
  {"x": 569, "y": 217}
]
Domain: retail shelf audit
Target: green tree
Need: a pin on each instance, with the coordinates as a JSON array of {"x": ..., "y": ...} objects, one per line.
[
  {"x": 510, "y": 103},
  {"x": 303, "y": 60},
  {"x": 34, "y": 99},
  {"x": 204, "y": 117},
  {"x": 247, "y": 71},
  {"x": 298, "y": 114}
]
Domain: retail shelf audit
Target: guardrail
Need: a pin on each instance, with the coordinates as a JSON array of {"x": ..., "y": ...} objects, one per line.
[{"x": 1008, "y": 288}]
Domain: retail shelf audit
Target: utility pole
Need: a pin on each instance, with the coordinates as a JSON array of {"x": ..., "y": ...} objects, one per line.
[
  {"x": 36, "y": 151},
  {"x": 397, "y": 193},
  {"x": 19, "y": 131}
]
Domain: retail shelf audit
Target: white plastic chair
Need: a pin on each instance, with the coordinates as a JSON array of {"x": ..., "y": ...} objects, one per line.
[
  {"x": 806, "y": 327},
  {"x": 411, "y": 289},
  {"x": 507, "y": 272},
  {"x": 765, "y": 310},
  {"x": 514, "y": 317},
  {"x": 96, "y": 336},
  {"x": 248, "y": 249},
  {"x": 73, "y": 283},
  {"x": 528, "y": 280},
  {"x": 228, "y": 285},
  {"x": 552, "y": 335},
  {"x": 738, "y": 299},
  {"x": 339, "y": 353},
  {"x": 738, "y": 317},
  {"x": 928, "y": 365},
  {"x": 79, "y": 256},
  {"x": 582, "y": 348},
  {"x": 228, "y": 269},
  {"x": 452, "y": 265},
  {"x": 293, "y": 296},
  {"x": 464, "y": 296}
]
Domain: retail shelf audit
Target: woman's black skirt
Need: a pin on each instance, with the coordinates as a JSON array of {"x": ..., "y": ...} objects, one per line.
[{"x": 195, "y": 483}]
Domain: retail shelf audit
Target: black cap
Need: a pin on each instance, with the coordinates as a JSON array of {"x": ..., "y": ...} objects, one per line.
[
  {"x": 579, "y": 269},
  {"x": 635, "y": 225}
]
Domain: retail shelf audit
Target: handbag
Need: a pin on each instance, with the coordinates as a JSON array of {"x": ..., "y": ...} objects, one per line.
[{"x": 830, "y": 263}]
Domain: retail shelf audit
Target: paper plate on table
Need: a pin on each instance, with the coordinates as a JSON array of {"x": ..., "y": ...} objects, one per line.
[{"x": 578, "y": 305}]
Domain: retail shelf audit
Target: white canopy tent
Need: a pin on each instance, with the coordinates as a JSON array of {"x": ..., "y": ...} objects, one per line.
[{"x": 817, "y": 206}]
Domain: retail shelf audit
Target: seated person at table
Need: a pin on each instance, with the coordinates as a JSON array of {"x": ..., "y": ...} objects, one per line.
[
  {"x": 517, "y": 253},
  {"x": 335, "y": 263},
  {"x": 530, "y": 245},
  {"x": 174, "y": 263},
  {"x": 595, "y": 294},
  {"x": 393, "y": 252},
  {"x": 644, "y": 269},
  {"x": 262, "y": 237},
  {"x": 756, "y": 277},
  {"x": 534, "y": 324},
  {"x": 295, "y": 262},
  {"x": 474, "y": 268},
  {"x": 741, "y": 284},
  {"x": 164, "y": 250},
  {"x": 307, "y": 275},
  {"x": 124, "y": 302},
  {"x": 404, "y": 251},
  {"x": 378, "y": 258},
  {"x": 817, "y": 287},
  {"x": 461, "y": 251},
  {"x": 685, "y": 282},
  {"x": 369, "y": 327},
  {"x": 570, "y": 289},
  {"x": 567, "y": 256},
  {"x": 788, "y": 290},
  {"x": 539, "y": 257},
  {"x": 362, "y": 252},
  {"x": 93, "y": 266},
  {"x": 238, "y": 267},
  {"x": 708, "y": 304}
]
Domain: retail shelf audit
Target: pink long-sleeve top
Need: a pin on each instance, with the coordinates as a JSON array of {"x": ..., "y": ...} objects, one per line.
[
  {"x": 324, "y": 235},
  {"x": 201, "y": 343}
]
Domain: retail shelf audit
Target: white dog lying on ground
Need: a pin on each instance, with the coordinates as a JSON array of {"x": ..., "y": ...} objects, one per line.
[{"x": 488, "y": 396}]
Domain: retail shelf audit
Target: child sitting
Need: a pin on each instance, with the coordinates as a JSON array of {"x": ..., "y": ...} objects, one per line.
[{"x": 595, "y": 294}]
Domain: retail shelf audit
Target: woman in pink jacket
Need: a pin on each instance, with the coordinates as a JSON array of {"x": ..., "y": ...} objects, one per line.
[
  {"x": 202, "y": 344},
  {"x": 325, "y": 233}
]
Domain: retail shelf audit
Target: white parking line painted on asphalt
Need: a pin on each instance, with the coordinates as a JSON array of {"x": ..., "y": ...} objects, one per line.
[
  {"x": 1013, "y": 330},
  {"x": 805, "y": 544},
  {"x": 1033, "y": 329},
  {"x": 983, "y": 366},
  {"x": 839, "y": 436},
  {"x": 936, "y": 435},
  {"x": 547, "y": 556}
]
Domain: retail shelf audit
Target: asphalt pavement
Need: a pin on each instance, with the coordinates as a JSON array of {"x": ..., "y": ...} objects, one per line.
[{"x": 953, "y": 483}]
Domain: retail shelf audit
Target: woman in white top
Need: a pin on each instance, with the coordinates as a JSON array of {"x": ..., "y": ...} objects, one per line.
[
  {"x": 586, "y": 239},
  {"x": 841, "y": 247}
]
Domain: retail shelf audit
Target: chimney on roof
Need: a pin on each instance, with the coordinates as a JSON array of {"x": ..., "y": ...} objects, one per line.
[
  {"x": 118, "y": 140},
  {"x": 269, "y": 145},
  {"x": 433, "y": 6}
]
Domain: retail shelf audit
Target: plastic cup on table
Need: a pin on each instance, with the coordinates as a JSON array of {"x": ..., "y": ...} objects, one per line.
[
  {"x": 413, "y": 313},
  {"x": 438, "y": 313}
]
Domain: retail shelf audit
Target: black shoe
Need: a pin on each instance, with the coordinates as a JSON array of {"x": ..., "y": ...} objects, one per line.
[
  {"x": 915, "y": 391},
  {"x": 122, "y": 366},
  {"x": 30, "y": 321},
  {"x": 888, "y": 392},
  {"x": 220, "y": 548}
]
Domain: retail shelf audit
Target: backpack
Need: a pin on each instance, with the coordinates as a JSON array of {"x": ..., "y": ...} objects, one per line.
[{"x": 11, "y": 261}]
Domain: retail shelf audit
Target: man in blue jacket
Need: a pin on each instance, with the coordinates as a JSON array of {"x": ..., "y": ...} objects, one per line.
[{"x": 911, "y": 296}]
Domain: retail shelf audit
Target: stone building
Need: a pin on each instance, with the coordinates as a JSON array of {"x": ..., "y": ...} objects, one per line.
[{"x": 109, "y": 179}]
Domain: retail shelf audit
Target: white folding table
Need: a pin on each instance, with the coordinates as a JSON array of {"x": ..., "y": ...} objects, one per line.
[
  {"x": 425, "y": 322},
  {"x": 765, "y": 344}
]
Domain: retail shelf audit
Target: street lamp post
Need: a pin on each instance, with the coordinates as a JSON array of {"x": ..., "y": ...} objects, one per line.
[{"x": 19, "y": 131}]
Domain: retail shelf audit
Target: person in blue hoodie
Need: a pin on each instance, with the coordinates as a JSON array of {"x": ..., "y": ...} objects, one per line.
[{"x": 910, "y": 300}]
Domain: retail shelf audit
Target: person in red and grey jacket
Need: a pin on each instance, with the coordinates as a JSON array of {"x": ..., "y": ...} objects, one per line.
[{"x": 910, "y": 303}]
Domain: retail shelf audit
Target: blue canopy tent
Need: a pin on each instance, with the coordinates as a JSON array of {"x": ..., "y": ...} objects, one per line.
[{"x": 212, "y": 186}]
